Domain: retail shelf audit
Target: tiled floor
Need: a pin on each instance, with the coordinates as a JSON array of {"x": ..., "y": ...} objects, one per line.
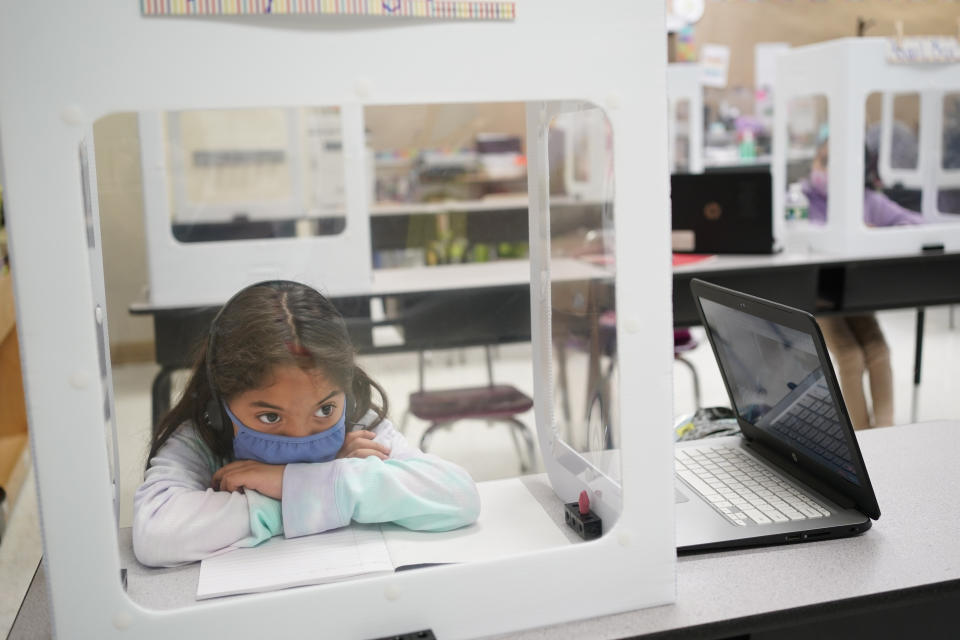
[{"x": 486, "y": 451}]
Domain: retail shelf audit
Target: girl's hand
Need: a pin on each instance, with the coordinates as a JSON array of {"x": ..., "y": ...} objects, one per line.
[
  {"x": 360, "y": 444},
  {"x": 250, "y": 474}
]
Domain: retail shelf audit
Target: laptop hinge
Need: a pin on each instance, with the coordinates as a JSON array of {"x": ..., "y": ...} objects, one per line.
[{"x": 790, "y": 468}]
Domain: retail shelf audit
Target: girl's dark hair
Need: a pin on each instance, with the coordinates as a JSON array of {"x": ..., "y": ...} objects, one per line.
[
  {"x": 871, "y": 169},
  {"x": 278, "y": 323}
]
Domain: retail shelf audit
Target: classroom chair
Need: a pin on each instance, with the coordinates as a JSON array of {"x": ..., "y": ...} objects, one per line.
[{"x": 442, "y": 408}]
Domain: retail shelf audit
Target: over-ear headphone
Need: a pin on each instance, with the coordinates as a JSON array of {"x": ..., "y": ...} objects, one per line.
[
  {"x": 216, "y": 417},
  {"x": 214, "y": 407}
]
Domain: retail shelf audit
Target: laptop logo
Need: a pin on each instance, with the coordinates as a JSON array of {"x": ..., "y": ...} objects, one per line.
[
  {"x": 712, "y": 211},
  {"x": 794, "y": 456}
]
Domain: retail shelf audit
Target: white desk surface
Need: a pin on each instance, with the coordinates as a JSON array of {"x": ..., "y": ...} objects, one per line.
[
  {"x": 451, "y": 277},
  {"x": 506, "y": 273},
  {"x": 474, "y": 275},
  {"x": 914, "y": 473}
]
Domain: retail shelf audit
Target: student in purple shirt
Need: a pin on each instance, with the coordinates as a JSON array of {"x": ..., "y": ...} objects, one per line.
[
  {"x": 857, "y": 341},
  {"x": 878, "y": 209}
]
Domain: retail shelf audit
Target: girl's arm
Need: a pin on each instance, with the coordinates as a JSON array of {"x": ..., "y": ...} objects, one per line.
[
  {"x": 178, "y": 518},
  {"x": 881, "y": 211},
  {"x": 413, "y": 489}
]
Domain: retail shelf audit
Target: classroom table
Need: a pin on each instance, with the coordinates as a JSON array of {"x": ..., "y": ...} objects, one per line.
[
  {"x": 489, "y": 302},
  {"x": 832, "y": 285},
  {"x": 899, "y": 579}
]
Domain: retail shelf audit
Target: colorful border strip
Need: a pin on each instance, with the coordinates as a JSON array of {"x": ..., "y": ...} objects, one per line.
[{"x": 438, "y": 9}]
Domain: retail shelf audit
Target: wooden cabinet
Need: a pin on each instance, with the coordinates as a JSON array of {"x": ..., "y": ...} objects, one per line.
[{"x": 13, "y": 411}]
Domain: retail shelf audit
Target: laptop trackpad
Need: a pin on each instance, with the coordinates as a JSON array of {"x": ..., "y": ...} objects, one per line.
[{"x": 678, "y": 497}]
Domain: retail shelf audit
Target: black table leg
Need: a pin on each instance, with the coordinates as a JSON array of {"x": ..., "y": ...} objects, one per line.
[{"x": 917, "y": 362}]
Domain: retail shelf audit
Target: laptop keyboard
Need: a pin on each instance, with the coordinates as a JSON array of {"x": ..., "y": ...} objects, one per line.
[{"x": 741, "y": 489}]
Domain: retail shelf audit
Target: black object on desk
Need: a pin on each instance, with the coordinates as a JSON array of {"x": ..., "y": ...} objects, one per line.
[
  {"x": 424, "y": 634},
  {"x": 728, "y": 212},
  {"x": 577, "y": 516}
]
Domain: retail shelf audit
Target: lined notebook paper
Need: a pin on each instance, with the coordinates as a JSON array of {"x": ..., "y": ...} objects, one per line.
[
  {"x": 511, "y": 522},
  {"x": 279, "y": 563}
]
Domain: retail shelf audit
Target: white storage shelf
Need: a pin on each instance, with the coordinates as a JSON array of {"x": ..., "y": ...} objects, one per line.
[{"x": 504, "y": 203}]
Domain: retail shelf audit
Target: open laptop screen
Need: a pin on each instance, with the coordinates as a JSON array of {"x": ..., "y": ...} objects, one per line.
[{"x": 778, "y": 385}]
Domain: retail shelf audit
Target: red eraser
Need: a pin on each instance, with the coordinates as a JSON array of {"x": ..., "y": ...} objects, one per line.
[{"x": 584, "y": 503}]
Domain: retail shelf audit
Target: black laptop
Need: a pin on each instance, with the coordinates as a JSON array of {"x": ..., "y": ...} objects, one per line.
[
  {"x": 795, "y": 472},
  {"x": 728, "y": 212}
]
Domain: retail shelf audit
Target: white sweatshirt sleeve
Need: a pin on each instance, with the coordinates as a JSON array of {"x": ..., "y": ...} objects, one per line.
[
  {"x": 413, "y": 489},
  {"x": 178, "y": 518}
]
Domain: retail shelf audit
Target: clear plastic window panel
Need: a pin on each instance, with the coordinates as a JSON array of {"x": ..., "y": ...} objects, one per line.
[
  {"x": 450, "y": 184},
  {"x": 948, "y": 194},
  {"x": 443, "y": 325},
  {"x": 912, "y": 174},
  {"x": 808, "y": 134},
  {"x": 583, "y": 306},
  {"x": 892, "y": 182}
]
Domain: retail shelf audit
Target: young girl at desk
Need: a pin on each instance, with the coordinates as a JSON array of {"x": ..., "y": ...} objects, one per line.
[
  {"x": 278, "y": 432},
  {"x": 857, "y": 341}
]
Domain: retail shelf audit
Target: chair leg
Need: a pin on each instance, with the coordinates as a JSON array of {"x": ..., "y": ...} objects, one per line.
[
  {"x": 428, "y": 434},
  {"x": 516, "y": 445},
  {"x": 696, "y": 380},
  {"x": 531, "y": 448},
  {"x": 608, "y": 424},
  {"x": 605, "y": 438}
]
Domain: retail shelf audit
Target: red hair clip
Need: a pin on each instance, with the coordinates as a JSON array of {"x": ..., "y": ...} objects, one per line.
[{"x": 297, "y": 349}]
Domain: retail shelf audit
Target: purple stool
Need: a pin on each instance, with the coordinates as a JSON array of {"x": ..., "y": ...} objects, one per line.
[{"x": 500, "y": 403}]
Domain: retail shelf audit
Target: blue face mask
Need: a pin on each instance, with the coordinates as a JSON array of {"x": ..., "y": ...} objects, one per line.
[{"x": 250, "y": 444}]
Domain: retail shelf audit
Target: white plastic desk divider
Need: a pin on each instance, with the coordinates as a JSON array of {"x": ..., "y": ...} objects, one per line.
[
  {"x": 338, "y": 264},
  {"x": 60, "y": 72},
  {"x": 929, "y": 175},
  {"x": 846, "y": 72}
]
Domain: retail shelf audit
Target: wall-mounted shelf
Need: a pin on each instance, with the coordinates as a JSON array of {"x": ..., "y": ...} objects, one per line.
[{"x": 504, "y": 203}]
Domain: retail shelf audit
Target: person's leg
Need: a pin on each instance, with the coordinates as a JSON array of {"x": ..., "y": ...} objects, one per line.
[
  {"x": 876, "y": 355},
  {"x": 850, "y": 366}
]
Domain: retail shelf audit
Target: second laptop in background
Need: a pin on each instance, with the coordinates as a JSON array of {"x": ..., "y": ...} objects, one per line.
[{"x": 723, "y": 212}]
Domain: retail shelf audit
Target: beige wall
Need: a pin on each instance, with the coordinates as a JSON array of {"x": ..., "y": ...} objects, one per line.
[
  {"x": 740, "y": 24},
  {"x": 122, "y": 234},
  {"x": 121, "y": 196}
]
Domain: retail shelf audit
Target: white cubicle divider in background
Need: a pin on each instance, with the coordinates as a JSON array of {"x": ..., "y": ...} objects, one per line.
[
  {"x": 62, "y": 67},
  {"x": 337, "y": 263},
  {"x": 685, "y": 85},
  {"x": 845, "y": 72}
]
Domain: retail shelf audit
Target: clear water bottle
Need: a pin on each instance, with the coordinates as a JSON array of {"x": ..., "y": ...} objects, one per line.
[{"x": 797, "y": 205}]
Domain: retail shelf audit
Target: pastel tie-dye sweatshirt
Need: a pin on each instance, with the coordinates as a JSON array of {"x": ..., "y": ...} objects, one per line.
[{"x": 179, "y": 518}]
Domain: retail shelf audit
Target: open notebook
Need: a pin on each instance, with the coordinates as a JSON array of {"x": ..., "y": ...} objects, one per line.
[{"x": 511, "y": 522}]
